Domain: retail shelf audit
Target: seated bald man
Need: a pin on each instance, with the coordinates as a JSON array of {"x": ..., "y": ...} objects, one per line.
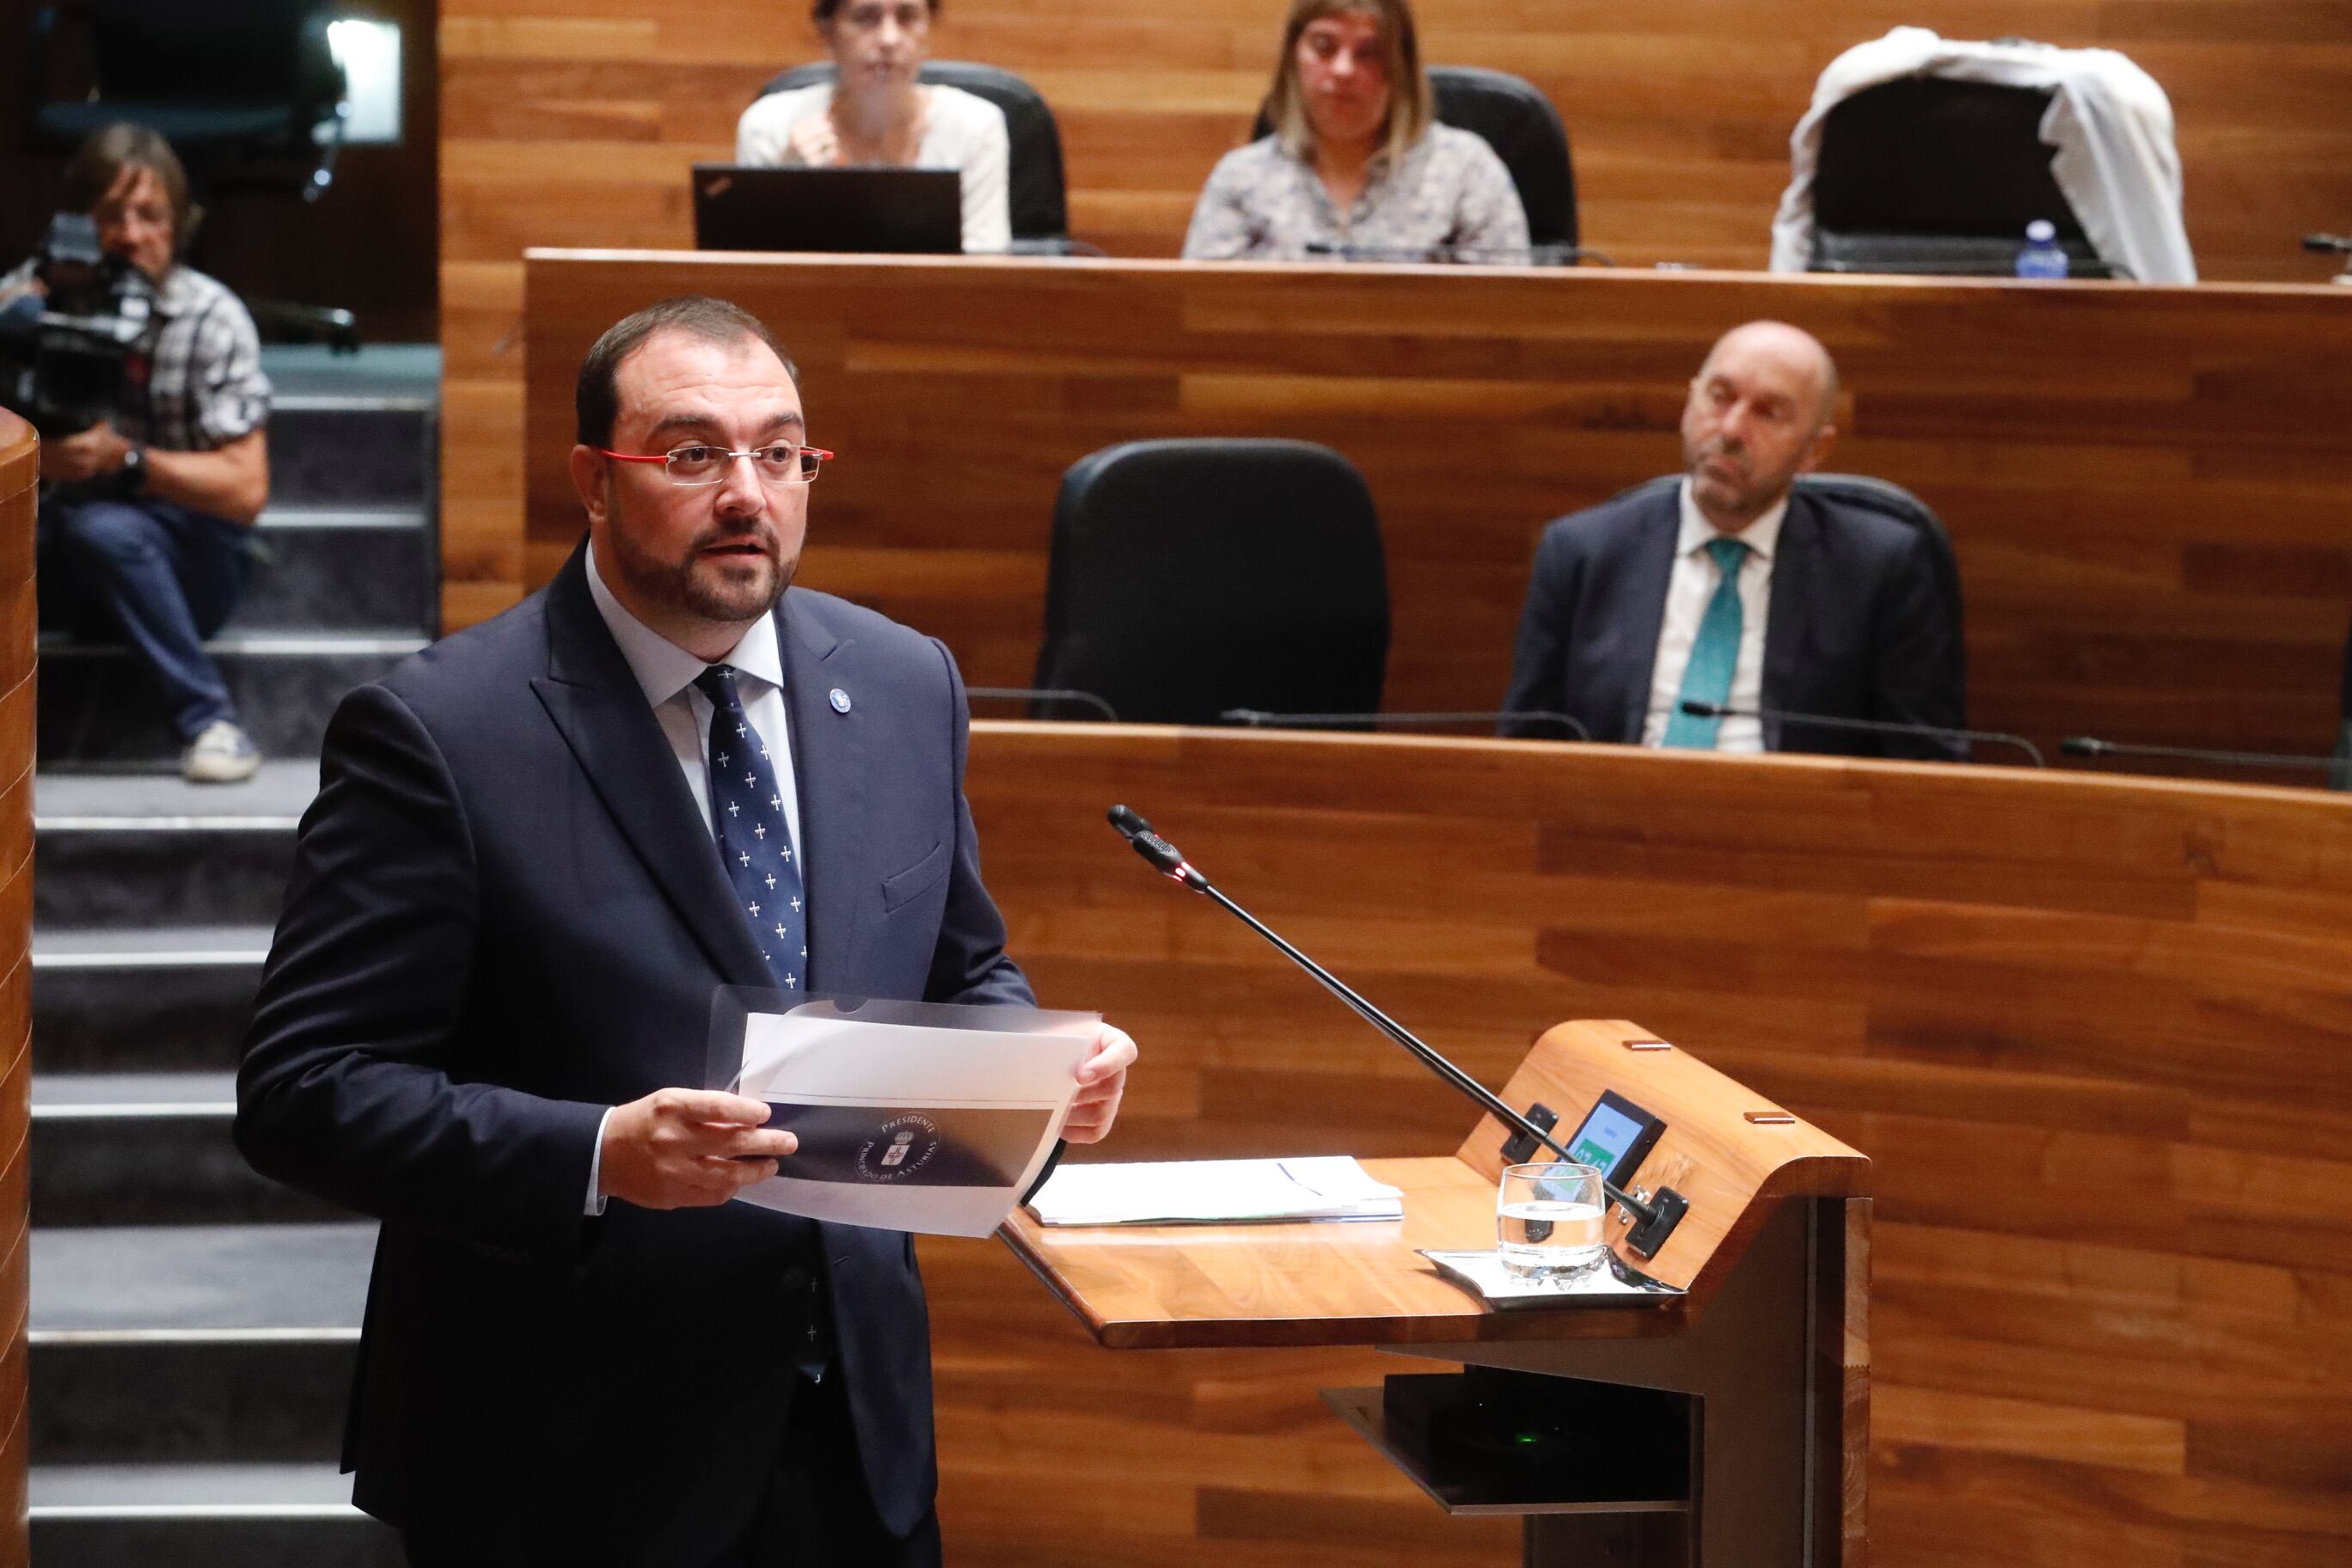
[{"x": 1734, "y": 589}]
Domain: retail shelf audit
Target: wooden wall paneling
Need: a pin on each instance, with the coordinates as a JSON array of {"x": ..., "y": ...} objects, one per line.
[
  {"x": 2091, "y": 1032},
  {"x": 574, "y": 124},
  {"x": 19, "y": 473},
  {"x": 2146, "y": 488}
]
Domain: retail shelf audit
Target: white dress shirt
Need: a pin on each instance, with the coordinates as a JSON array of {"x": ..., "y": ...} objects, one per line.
[
  {"x": 1688, "y": 592},
  {"x": 667, "y": 673}
]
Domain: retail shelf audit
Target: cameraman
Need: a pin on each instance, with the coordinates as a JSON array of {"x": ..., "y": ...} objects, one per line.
[{"x": 144, "y": 529}]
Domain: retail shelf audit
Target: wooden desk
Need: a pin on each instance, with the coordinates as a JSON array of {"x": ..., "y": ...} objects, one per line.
[
  {"x": 1749, "y": 1382},
  {"x": 1366, "y": 1283},
  {"x": 2092, "y": 1033},
  {"x": 2145, "y": 486},
  {"x": 19, "y": 473}
]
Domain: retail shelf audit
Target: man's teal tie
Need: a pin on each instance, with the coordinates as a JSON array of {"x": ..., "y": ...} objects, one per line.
[{"x": 1715, "y": 653}]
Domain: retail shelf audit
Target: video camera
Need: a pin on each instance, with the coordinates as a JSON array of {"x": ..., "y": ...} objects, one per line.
[{"x": 70, "y": 360}]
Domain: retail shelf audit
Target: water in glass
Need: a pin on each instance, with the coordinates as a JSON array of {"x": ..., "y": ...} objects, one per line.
[{"x": 1549, "y": 1220}]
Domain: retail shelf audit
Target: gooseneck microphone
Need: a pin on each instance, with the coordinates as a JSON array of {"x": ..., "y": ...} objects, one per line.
[
  {"x": 1259, "y": 719},
  {"x": 1553, "y": 252},
  {"x": 1866, "y": 726},
  {"x": 2092, "y": 746},
  {"x": 1653, "y": 1218},
  {"x": 1164, "y": 856},
  {"x": 1043, "y": 694}
]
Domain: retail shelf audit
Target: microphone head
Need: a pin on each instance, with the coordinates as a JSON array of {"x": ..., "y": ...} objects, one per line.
[
  {"x": 1164, "y": 856},
  {"x": 1706, "y": 710},
  {"x": 2083, "y": 746}
]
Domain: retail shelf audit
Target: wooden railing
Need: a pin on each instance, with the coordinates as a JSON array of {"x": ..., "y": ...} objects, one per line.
[
  {"x": 2093, "y": 1035},
  {"x": 19, "y": 471},
  {"x": 2144, "y": 493}
]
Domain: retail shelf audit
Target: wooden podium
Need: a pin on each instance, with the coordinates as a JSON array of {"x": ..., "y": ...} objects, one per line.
[{"x": 1721, "y": 1420}]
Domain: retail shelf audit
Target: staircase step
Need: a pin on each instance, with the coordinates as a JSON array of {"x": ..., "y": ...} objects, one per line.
[
  {"x": 169, "y": 999},
  {"x": 273, "y": 798},
  {"x": 159, "y": 1344},
  {"x": 321, "y": 568},
  {"x": 202, "y": 1516},
  {"x": 120, "y": 1149},
  {"x": 395, "y": 372},
  {"x": 97, "y": 707},
  {"x": 132, "y": 849},
  {"x": 339, "y": 449}
]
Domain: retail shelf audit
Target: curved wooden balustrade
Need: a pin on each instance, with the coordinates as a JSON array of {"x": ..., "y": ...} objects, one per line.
[
  {"x": 2094, "y": 1035},
  {"x": 19, "y": 472}
]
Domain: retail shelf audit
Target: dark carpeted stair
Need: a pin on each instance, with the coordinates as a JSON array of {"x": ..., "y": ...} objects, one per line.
[{"x": 194, "y": 1325}]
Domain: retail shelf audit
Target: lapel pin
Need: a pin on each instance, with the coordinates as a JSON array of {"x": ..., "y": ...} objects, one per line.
[{"x": 839, "y": 699}]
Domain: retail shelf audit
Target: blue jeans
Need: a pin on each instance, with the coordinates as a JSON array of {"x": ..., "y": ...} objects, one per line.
[{"x": 162, "y": 575}]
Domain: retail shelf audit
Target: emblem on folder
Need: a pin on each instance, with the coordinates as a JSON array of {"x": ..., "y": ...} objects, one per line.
[{"x": 899, "y": 1147}]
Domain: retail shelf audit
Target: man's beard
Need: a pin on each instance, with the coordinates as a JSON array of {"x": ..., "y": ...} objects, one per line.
[{"x": 732, "y": 590}]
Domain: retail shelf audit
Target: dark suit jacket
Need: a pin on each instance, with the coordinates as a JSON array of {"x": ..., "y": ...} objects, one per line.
[
  {"x": 507, "y": 915},
  {"x": 1857, "y": 627}
]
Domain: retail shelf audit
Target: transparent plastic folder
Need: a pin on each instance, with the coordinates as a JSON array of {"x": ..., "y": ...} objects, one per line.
[{"x": 916, "y": 1116}]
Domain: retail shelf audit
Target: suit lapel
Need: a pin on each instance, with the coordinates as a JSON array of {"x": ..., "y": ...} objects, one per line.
[
  {"x": 832, "y": 759},
  {"x": 1788, "y": 605},
  {"x": 1650, "y": 574},
  {"x": 596, "y": 703}
]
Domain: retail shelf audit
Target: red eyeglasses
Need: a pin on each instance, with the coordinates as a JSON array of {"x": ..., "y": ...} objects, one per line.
[{"x": 779, "y": 463}]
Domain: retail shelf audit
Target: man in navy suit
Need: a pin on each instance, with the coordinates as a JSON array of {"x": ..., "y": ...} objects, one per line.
[
  {"x": 538, "y": 850},
  {"x": 1734, "y": 589}
]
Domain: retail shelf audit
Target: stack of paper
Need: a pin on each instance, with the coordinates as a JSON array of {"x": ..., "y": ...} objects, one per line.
[{"x": 1216, "y": 1192}]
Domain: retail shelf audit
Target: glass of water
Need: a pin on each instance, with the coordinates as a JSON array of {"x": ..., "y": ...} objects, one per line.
[{"x": 1547, "y": 1220}]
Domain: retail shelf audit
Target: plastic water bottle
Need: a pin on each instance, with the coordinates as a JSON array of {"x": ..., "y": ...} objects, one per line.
[{"x": 2041, "y": 257}]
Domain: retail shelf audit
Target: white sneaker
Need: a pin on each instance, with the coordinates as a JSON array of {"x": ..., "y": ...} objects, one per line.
[{"x": 222, "y": 754}]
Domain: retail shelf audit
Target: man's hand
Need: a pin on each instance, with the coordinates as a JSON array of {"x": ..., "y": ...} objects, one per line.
[
  {"x": 812, "y": 141},
  {"x": 97, "y": 451},
  {"x": 689, "y": 1148},
  {"x": 1102, "y": 1078}
]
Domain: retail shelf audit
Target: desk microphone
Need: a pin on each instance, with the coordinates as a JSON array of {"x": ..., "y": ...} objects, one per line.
[
  {"x": 2091, "y": 746},
  {"x": 2327, "y": 243},
  {"x": 1043, "y": 694},
  {"x": 1867, "y": 726},
  {"x": 1556, "y": 255},
  {"x": 1653, "y": 1216},
  {"x": 1258, "y": 719}
]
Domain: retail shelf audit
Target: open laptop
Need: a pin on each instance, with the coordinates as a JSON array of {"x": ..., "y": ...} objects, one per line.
[{"x": 740, "y": 207}]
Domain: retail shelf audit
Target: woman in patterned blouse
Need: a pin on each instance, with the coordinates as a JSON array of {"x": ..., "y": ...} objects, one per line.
[{"x": 1356, "y": 168}]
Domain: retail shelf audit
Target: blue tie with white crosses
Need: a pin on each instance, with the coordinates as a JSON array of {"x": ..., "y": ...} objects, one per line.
[{"x": 755, "y": 839}]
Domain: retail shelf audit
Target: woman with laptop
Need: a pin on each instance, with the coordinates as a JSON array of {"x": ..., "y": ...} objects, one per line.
[
  {"x": 875, "y": 113},
  {"x": 1356, "y": 166}
]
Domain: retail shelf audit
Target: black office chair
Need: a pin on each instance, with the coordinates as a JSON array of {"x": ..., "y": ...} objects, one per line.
[
  {"x": 1034, "y": 189},
  {"x": 1520, "y": 124},
  {"x": 1886, "y": 499},
  {"x": 248, "y": 92},
  {"x": 1525, "y": 133},
  {"x": 1188, "y": 577},
  {"x": 1929, "y": 176}
]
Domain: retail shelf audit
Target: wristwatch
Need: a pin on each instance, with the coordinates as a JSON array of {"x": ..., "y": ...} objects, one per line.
[{"x": 134, "y": 469}]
